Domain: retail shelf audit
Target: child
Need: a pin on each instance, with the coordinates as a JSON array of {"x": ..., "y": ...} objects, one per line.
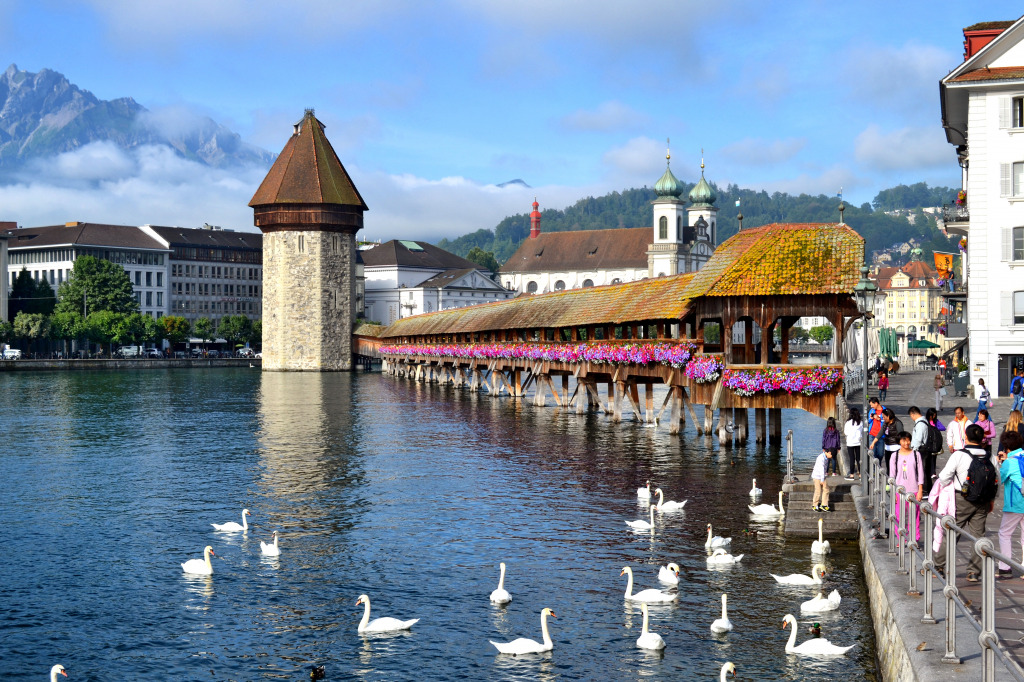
[
  {"x": 830, "y": 443},
  {"x": 883, "y": 385},
  {"x": 820, "y": 486}
]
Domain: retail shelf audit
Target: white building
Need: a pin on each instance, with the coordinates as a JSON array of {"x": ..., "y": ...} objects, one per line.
[
  {"x": 404, "y": 278},
  {"x": 982, "y": 106},
  {"x": 3, "y": 278}
]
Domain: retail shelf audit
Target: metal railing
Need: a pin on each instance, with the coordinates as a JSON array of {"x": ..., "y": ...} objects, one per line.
[
  {"x": 955, "y": 213},
  {"x": 898, "y": 509}
]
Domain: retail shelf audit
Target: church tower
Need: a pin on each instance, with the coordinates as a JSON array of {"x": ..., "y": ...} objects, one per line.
[
  {"x": 664, "y": 256},
  {"x": 703, "y": 223},
  {"x": 309, "y": 212}
]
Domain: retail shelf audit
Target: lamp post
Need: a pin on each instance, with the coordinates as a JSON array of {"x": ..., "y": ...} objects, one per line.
[{"x": 865, "y": 292}]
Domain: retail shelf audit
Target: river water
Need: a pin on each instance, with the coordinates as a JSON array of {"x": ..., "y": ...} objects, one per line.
[{"x": 410, "y": 493}]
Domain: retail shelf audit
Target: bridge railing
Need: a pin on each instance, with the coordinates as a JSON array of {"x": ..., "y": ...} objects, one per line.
[{"x": 896, "y": 510}]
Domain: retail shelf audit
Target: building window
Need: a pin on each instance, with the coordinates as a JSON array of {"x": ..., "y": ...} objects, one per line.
[
  {"x": 1018, "y": 307},
  {"x": 588, "y": 283},
  {"x": 679, "y": 228},
  {"x": 1017, "y": 111},
  {"x": 616, "y": 281},
  {"x": 159, "y": 279},
  {"x": 302, "y": 244},
  {"x": 1016, "y": 244},
  {"x": 138, "y": 278},
  {"x": 559, "y": 285},
  {"x": 662, "y": 227},
  {"x": 159, "y": 298},
  {"x": 149, "y": 298}
]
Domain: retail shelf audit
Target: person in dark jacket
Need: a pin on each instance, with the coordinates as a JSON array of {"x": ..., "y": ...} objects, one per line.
[
  {"x": 830, "y": 443},
  {"x": 893, "y": 428}
]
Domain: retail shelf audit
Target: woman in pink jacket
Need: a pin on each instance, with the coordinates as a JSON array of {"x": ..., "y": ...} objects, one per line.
[
  {"x": 907, "y": 468},
  {"x": 989, "y": 427}
]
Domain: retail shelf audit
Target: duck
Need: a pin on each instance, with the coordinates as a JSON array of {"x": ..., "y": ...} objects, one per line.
[
  {"x": 648, "y": 639},
  {"x": 814, "y": 630},
  {"x": 380, "y": 624},
  {"x": 644, "y": 493},
  {"x": 501, "y": 596},
  {"x": 269, "y": 549},
  {"x": 317, "y": 672},
  {"x": 231, "y": 526},
  {"x": 671, "y": 505},
  {"x": 820, "y": 546},
  {"x": 57, "y": 670},
  {"x": 728, "y": 667},
  {"x": 650, "y": 595},
  {"x": 754, "y": 490},
  {"x": 529, "y": 646},
  {"x": 768, "y": 509},
  {"x": 200, "y": 566},
  {"x": 641, "y": 524},
  {"x": 715, "y": 541},
  {"x": 722, "y": 557},
  {"x": 817, "y": 573},
  {"x": 821, "y": 603},
  {"x": 722, "y": 624},
  {"x": 812, "y": 647},
  {"x": 669, "y": 574}
]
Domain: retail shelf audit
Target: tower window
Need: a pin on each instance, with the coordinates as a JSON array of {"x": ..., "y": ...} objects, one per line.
[
  {"x": 663, "y": 228},
  {"x": 679, "y": 227},
  {"x": 302, "y": 244}
]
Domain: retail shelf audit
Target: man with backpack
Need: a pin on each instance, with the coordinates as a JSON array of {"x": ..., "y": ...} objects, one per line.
[
  {"x": 1017, "y": 390},
  {"x": 974, "y": 475},
  {"x": 927, "y": 440},
  {"x": 876, "y": 429}
]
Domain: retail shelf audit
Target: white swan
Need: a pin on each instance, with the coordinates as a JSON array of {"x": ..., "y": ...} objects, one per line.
[
  {"x": 812, "y": 647},
  {"x": 648, "y": 639},
  {"x": 501, "y": 595},
  {"x": 643, "y": 525},
  {"x": 671, "y": 505},
  {"x": 57, "y": 670},
  {"x": 817, "y": 573},
  {"x": 768, "y": 509},
  {"x": 722, "y": 557},
  {"x": 645, "y": 492},
  {"x": 529, "y": 646},
  {"x": 821, "y": 603},
  {"x": 231, "y": 526},
  {"x": 669, "y": 574},
  {"x": 722, "y": 624},
  {"x": 200, "y": 566},
  {"x": 754, "y": 490},
  {"x": 270, "y": 549},
  {"x": 715, "y": 541},
  {"x": 650, "y": 596},
  {"x": 729, "y": 667},
  {"x": 820, "y": 546},
  {"x": 380, "y": 624}
]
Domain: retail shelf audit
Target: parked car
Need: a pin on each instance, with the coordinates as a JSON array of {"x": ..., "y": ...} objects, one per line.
[
  {"x": 245, "y": 352},
  {"x": 130, "y": 351},
  {"x": 213, "y": 353},
  {"x": 12, "y": 354},
  {"x": 154, "y": 353},
  {"x": 196, "y": 352},
  {"x": 260, "y": 355}
]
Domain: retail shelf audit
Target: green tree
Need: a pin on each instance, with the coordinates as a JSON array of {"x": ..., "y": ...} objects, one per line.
[
  {"x": 65, "y": 327},
  {"x": 798, "y": 334},
  {"x": 256, "y": 334},
  {"x": 174, "y": 328},
  {"x": 6, "y": 331},
  {"x": 203, "y": 329},
  {"x": 484, "y": 258},
  {"x": 31, "y": 327},
  {"x": 822, "y": 333},
  {"x": 99, "y": 285},
  {"x": 29, "y": 296},
  {"x": 234, "y": 328},
  {"x": 101, "y": 327}
]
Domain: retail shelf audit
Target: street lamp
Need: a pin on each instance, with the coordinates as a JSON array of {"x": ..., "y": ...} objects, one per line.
[{"x": 865, "y": 292}]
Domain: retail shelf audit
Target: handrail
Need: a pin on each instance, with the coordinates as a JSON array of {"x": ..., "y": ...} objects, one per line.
[{"x": 884, "y": 494}]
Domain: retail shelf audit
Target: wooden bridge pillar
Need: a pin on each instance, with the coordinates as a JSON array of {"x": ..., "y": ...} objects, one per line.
[
  {"x": 740, "y": 419},
  {"x": 775, "y": 426},
  {"x": 709, "y": 415},
  {"x": 649, "y": 403},
  {"x": 724, "y": 437},
  {"x": 676, "y": 415},
  {"x": 760, "y": 420},
  {"x": 565, "y": 390},
  {"x": 618, "y": 388}
]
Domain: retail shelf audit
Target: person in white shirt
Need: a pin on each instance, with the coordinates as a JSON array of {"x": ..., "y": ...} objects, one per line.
[
  {"x": 853, "y": 431},
  {"x": 820, "y": 485},
  {"x": 956, "y": 430}
]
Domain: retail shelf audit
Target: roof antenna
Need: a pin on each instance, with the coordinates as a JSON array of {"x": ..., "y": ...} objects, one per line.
[{"x": 842, "y": 207}]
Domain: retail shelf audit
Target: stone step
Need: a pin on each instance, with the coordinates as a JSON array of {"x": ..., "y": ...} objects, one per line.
[
  {"x": 806, "y": 498},
  {"x": 833, "y": 527}
]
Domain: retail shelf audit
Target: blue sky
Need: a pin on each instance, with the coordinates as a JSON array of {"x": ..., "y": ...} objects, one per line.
[{"x": 429, "y": 105}]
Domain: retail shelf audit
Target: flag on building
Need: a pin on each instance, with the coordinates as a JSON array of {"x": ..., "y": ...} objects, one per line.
[{"x": 944, "y": 264}]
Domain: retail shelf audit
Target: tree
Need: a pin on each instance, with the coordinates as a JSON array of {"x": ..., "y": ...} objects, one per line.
[
  {"x": 31, "y": 326},
  {"x": 101, "y": 326},
  {"x": 29, "y": 296},
  {"x": 99, "y": 285},
  {"x": 484, "y": 258},
  {"x": 822, "y": 333},
  {"x": 65, "y": 327},
  {"x": 798, "y": 334},
  {"x": 203, "y": 329},
  {"x": 175, "y": 329},
  {"x": 234, "y": 328},
  {"x": 256, "y": 334},
  {"x": 6, "y": 331}
]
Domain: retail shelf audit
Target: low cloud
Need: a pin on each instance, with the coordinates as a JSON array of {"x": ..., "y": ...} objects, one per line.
[
  {"x": 759, "y": 152},
  {"x": 641, "y": 159},
  {"x": 607, "y": 117},
  {"x": 903, "y": 149},
  {"x": 828, "y": 182}
]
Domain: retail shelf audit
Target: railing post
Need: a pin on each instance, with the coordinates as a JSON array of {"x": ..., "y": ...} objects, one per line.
[
  {"x": 928, "y": 565},
  {"x": 987, "y": 636},
  {"x": 912, "y": 546},
  {"x": 900, "y": 525},
  {"x": 890, "y": 510},
  {"x": 950, "y": 591}
]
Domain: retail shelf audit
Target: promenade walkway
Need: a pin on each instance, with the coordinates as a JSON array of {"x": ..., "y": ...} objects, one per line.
[{"x": 925, "y": 643}]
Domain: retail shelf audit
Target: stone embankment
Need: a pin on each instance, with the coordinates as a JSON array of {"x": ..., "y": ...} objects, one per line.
[{"x": 121, "y": 363}]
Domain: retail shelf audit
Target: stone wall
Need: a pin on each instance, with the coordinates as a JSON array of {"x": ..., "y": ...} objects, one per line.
[
  {"x": 308, "y": 300},
  {"x": 123, "y": 363},
  {"x": 893, "y": 658}
]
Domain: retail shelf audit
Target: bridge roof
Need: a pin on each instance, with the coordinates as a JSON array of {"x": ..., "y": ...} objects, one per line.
[{"x": 648, "y": 299}]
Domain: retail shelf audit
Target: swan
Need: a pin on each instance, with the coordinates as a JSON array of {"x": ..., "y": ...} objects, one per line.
[
  {"x": 820, "y": 546},
  {"x": 270, "y": 549},
  {"x": 729, "y": 667},
  {"x": 812, "y": 647},
  {"x": 642, "y": 525},
  {"x": 669, "y": 574},
  {"x": 715, "y": 541},
  {"x": 754, "y": 490},
  {"x": 501, "y": 595},
  {"x": 670, "y": 505},
  {"x": 648, "y": 639},
  {"x": 645, "y": 492},
  {"x": 650, "y": 596},
  {"x": 231, "y": 526},
  {"x": 821, "y": 603},
  {"x": 721, "y": 557},
  {"x": 817, "y": 573},
  {"x": 200, "y": 566},
  {"x": 767, "y": 509},
  {"x": 57, "y": 670},
  {"x": 380, "y": 624},
  {"x": 529, "y": 646},
  {"x": 723, "y": 624}
]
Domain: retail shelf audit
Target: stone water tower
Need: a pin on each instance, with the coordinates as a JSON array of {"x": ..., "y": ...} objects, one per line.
[{"x": 309, "y": 212}]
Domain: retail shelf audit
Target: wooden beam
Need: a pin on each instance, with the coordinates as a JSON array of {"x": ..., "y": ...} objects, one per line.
[
  {"x": 760, "y": 419},
  {"x": 631, "y": 394}
]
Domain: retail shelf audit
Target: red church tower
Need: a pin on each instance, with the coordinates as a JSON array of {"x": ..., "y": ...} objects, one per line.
[{"x": 535, "y": 220}]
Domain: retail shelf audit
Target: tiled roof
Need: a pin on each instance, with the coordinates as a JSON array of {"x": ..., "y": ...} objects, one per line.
[
  {"x": 395, "y": 252},
  {"x": 915, "y": 270},
  {"x": 783, "y": 259},
  {"x": 82, "y": 234},
  {"x": 991, "y": 25},
  {"x": 999, "y": 73},
  {"x": 445, "y": 278},
  {"x": 582, "y": 250},
  {"x": 308, "y": 172},
  {"x": 192, "y": 236},
  {"x": 647, "y": 299}
]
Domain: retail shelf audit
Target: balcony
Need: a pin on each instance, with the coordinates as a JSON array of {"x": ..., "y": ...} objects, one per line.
[
  {"x": 956, "y": 330},
  {"x": 958, "y": 290},
  {"x": 955, "y": 220}
]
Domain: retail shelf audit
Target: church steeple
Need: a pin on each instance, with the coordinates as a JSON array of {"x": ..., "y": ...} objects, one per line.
[{"x": 667, "y": 185}]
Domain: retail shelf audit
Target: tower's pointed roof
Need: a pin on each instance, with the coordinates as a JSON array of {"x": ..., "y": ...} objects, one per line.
[
  {"x": 308, "y": 171},
  {"x": 668, "y": 186}
]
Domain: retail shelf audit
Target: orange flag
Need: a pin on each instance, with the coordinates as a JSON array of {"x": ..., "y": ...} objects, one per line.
[{"x": 944, "y": 264}]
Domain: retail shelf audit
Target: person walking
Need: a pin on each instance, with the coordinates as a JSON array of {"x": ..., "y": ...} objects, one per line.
[
  {"x": 908, "y": 470},
  {"x": 984, "y": 398},
  {"x": 893, "y": 427},
  {"x": 989, "y": 427},
  {"x": 853, "y": 429},
  {"x": 820, "y": 501},
  {"x": 883, "y": 385},
  {"x": 830, "y": 443},
  {"x": 931, "y": 459},
  {"x": 876, "y": 429},
  {"x": 940, "y": 391},
  {"x": 1010, "y": 474},
  {"x": 1014, "y": 424},
  {"x": 956, "y": 431},
  {"x": 1017, "y": 390},
  {"x": 971, "y": 514}
]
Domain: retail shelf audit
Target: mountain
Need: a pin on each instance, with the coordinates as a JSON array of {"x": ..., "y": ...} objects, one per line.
[
  {"x": 43, "y": 115},
  {"x": 632, "y": 208}
]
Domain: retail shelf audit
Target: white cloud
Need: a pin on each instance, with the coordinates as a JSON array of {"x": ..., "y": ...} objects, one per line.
[
  {"x": 759, "y": 152},
  {"x": 828, "y": 182},
  {"x": 608, "y": 116},
  {"x": 639, "y": 159},
  {"x": 904, "y": 77},
  {"x": 96, "y": 161},
  {"x": 906, "y": 148}
]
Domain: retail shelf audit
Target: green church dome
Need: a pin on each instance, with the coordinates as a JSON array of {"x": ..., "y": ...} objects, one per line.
[
  {"x": 668, "y": 185},
  {"x": 702, "y": 194}
]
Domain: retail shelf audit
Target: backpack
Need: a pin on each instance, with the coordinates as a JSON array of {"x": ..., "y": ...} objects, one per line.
[
  {"x": 1016, "y": 386},
  {"x": 933, "y": 442},
  {"x": 980, "y": 486}
]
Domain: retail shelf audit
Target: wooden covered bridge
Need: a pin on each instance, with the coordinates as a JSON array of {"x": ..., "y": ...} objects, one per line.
[{"x": 707, "y": 336}]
